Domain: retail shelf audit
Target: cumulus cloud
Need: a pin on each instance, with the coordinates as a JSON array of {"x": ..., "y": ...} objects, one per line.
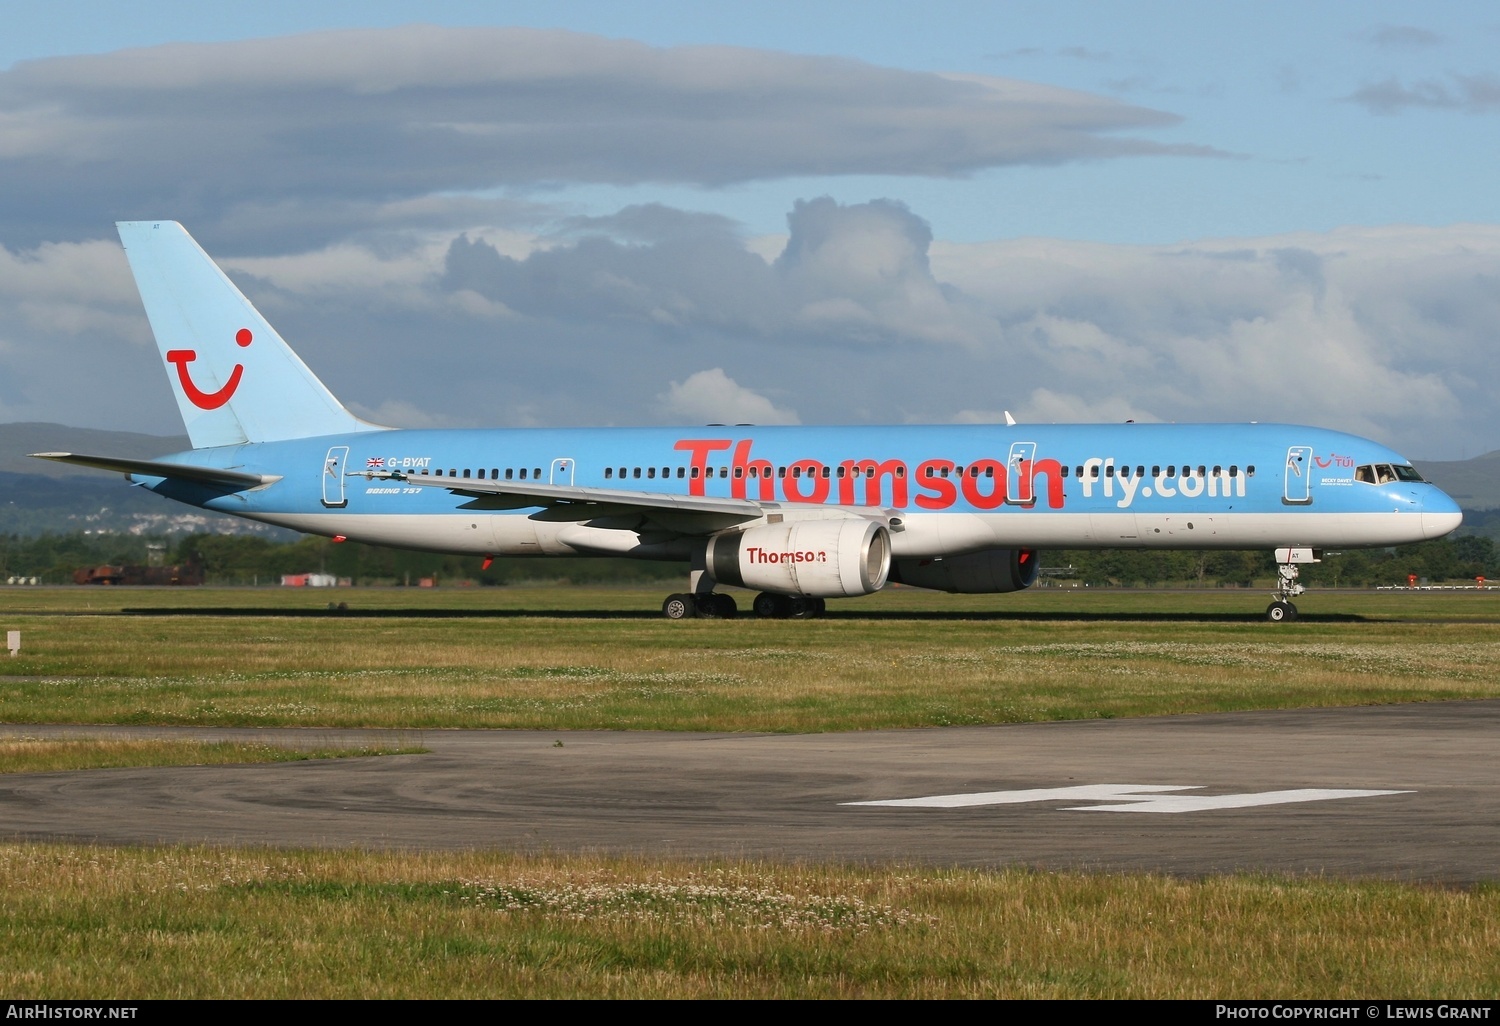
[
  {"x": 326, "y": 125},
  {"x": 653, "y": 315},
  {"x": 713, "y": 397}
]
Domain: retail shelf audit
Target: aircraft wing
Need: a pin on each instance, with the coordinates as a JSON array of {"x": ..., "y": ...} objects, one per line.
[
  {"x": 572, "y": 503},
  {"x": 234, "y": 480}
]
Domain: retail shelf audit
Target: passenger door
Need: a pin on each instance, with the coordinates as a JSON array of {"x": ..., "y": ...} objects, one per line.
[
  {"x": 333, "y": 477},
  {"x": 1297, "y": 490}
]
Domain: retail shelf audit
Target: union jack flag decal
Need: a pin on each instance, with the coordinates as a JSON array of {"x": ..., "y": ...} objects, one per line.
[{"x": 374, "y": 463}]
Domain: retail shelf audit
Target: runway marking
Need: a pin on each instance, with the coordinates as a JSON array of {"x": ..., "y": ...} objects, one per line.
[{"x": 1132, "y": 798}]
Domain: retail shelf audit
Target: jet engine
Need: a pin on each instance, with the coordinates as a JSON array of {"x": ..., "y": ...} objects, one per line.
[
  {"x": 989, "y": 571},
  {"x": 820, "y": 558}
]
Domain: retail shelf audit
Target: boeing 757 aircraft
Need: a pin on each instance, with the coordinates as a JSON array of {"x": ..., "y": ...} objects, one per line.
[{"x": 799, "y": 514}]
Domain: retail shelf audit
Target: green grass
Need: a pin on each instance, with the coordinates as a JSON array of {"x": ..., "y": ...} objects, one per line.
[
  {"x": 472, "y": 658},
  {"x": 50, "y": 755},
  {"x": 194, "y": 923}
]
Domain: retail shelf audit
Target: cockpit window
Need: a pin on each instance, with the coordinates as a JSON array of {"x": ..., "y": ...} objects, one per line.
[{"x": 1385, "y": 473}]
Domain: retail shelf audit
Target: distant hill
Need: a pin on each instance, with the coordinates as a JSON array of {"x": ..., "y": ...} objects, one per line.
[
  {"x": 41, "y": 497},
  {"x": 1474, "y": 484},
  {"x": 37, "y": 496},
  {"x": 16, "y": 440}
]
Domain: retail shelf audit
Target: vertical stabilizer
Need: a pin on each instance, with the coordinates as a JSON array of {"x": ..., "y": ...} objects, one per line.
[{"x": 235, "y": 379}]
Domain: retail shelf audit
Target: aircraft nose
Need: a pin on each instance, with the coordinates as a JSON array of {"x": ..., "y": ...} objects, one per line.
[{"x": 1440, "y": 515}]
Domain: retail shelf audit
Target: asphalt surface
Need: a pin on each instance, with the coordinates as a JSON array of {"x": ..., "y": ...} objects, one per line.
[{"x": 784, "y": 796}]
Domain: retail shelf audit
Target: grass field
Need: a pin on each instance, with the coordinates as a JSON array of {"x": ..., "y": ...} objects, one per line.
[
  {"x": 194, "y": 923},
  {"x": 567, "y": 658},
  {"x": 187, "y": 922}
]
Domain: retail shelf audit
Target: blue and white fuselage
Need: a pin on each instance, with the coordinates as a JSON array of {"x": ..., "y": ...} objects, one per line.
[
  {"x": 799, "y": 513},
  {"x": 954, "y": 489}
]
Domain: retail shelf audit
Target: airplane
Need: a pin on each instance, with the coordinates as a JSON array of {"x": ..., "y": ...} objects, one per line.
[{"x": 798, "y": 514}]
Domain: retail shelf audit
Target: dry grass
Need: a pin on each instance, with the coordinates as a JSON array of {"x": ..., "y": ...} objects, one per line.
[
  {"x": 183, "y": 922},
  {"x": 51, "y": 755}
]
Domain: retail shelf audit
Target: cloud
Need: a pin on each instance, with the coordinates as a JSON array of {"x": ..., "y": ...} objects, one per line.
[
  {"x": 654, "y": 315},
  {"x": 326, "y": 125},
  {"x": 1471, "y": 94},
  {"x": 1403, "y": 37},
  {"x": 713, "y": 397}
]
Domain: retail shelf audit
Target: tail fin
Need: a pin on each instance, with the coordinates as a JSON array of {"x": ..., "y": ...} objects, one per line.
[{"x": 235, "y": 379}]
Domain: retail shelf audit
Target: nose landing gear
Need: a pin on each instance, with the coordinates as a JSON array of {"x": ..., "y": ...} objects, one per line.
[{"x": 1287, "y": 587}]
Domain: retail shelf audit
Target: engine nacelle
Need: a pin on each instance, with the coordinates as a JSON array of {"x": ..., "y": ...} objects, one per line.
[
  {"x": 990, "y": 571},
  {"x": 822, "y": 558}
]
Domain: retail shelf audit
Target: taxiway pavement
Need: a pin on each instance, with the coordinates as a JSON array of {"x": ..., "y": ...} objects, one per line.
[{"x": 785, "y": 796}]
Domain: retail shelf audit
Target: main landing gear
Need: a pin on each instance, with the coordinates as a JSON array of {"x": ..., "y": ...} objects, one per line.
[
  {"x": 714, "y": 606},
  {"x": 709, "y": 606}
]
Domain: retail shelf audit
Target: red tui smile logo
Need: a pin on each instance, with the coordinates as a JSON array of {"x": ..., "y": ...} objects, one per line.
[{"x": 180, "y": 358}]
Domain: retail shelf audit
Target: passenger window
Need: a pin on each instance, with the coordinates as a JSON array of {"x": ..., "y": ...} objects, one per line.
[
  {"x": 1094, "y": 470},
  {"x": 1064, "y": 471},
  {"x": 609, "y": 472},
  {"x": 651, "y": 472},
  {"x": 739, "y": 472},
  {"x": 1109, "y": 471},
  {"x": 825, "y": 471},
  {"x": 1250, "y": 470},
  {"x": 466, "y": 472},
  {"x": 723, "y": 471},
  {"x": 1234, "y": 471},
  {"x": 695, "y": 473},
  {"x": 1202, "y": 471},
  {"x": 509, "y": 473},
  {"x": 945, "y": 471},
  {"x": 1140, "y": 471},
  {"x": 1156, "y": 471},
  {"x": 1080, "y": 472},
  {"x": 523, "y": 473},
  {"x": 988, "y": 472},
  {"x": 1172, "y": 471},
  {"x": 635, "y": 473},
  {"x": 1218, "y": 471},
  {"x": 781, "y": 472},
  {"x": 494, "y": 473},
  {"x": 536, "y": 473}
]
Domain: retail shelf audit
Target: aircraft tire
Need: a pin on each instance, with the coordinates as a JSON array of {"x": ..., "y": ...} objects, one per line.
[
  {"x": 769, "y": 606},
  {"x": 1278, "y": 612},
  {"x": 724, "y": 606},
  {"x": 679, "y": 607}
]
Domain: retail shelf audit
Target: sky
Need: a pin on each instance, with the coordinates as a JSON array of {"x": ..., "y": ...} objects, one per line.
[{"x": 514, "y": 214}]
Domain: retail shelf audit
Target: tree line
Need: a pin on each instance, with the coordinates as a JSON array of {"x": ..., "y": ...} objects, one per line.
[{"x": 246, "y": 559}]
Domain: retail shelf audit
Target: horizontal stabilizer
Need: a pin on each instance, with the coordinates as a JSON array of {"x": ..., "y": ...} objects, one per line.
[{"x": 232, "y": 479}]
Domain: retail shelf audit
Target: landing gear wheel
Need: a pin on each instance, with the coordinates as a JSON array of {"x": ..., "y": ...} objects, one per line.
[
  {"x": 679, "y": 607},
  {"x": 724, "y": 606},
  {"x": 769, "y": 606},
  {"x": 1278, "y": 612}
]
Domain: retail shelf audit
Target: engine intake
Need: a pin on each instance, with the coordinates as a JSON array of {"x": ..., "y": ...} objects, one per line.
[
  {"x": 989, "y": 571},
  {"x": 823, "y": 558}
]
